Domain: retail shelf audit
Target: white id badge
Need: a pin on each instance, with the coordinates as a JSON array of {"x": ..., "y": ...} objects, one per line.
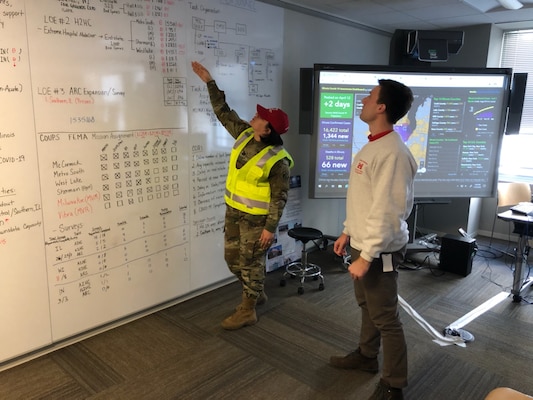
[{"x": 387, "y": 262}]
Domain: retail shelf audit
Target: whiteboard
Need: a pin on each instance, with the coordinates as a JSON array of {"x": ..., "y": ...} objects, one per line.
[{"x": 113, "y": 164}]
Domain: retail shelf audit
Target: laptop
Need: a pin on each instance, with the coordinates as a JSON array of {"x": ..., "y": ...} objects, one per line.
[{"x": 523, "y": 208}]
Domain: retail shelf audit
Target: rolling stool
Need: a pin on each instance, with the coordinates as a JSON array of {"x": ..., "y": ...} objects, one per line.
[{"x": 302, "y": 269}]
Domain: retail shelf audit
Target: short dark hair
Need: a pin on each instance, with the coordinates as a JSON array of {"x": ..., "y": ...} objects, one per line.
[
  {"x": 397, "y": 98},
  {"x": 274, "y": 139}
]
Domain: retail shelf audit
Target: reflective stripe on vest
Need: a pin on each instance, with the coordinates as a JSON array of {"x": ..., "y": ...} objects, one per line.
[
  {"x": 247, "y": 188},
  {"x": 242, "y": 138},
  {"x": 247, "y": 202}
]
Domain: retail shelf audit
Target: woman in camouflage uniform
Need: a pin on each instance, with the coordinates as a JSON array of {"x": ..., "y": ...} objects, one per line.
[{"x": 257, "y": 186}]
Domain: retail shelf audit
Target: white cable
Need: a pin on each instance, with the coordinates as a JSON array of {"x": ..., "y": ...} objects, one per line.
[
  {"x": 511, "y": 4},
  {"x": 440, "y": 339}
]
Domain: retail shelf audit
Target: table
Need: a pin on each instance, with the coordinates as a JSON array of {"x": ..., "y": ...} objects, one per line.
[{"x": 523, "y": 225}]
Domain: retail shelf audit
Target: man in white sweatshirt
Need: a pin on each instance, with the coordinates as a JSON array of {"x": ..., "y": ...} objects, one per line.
[{"x": 378, "y": 203}]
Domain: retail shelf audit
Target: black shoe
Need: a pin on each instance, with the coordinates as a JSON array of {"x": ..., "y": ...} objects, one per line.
[
  {"x": 385, "y": 392},
  {"x": 355, "y": 360}
]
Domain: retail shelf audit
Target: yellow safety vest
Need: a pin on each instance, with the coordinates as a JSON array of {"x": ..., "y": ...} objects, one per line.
[{"x": 247, "y": 188}]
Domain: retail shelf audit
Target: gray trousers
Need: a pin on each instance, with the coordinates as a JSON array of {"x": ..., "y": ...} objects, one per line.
[{"x": 377, "y": 296}]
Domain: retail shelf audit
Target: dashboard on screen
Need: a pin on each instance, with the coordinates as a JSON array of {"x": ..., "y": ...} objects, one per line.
[{"x": 453, "y": 129}]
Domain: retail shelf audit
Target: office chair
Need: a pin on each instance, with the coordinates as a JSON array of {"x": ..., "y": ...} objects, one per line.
[
  {"x": 303, "y": 269},
  {"x": 510, "y": 194}
]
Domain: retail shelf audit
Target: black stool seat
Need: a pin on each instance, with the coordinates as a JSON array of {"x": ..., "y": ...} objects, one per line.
[
  {"x": 304, "y": 235},
  {"x": 303, "y": 269}
]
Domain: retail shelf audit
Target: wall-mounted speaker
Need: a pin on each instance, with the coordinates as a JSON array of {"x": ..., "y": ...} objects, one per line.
[
  {"x": 516, "y": 103},
  {"x": 305, "y": 119}
]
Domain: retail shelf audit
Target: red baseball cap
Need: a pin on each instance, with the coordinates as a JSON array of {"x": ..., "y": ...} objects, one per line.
[{"x": 276, "y": 117}]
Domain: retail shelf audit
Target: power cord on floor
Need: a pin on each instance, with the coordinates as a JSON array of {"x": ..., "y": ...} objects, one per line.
[{"x": 415, "y": 265}]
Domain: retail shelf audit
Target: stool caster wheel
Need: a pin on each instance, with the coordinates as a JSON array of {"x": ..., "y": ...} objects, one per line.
[
  {"x": 282, "y": 282},
  {"x": 321, "y": 286},
  {"x": 300, "y": 290}
]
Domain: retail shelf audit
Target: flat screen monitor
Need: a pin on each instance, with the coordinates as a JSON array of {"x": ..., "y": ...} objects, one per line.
[{"x": 454, "y": 128}]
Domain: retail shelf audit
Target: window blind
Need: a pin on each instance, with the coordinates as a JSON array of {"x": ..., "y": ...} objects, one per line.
[{"x": 517, "y": 53}]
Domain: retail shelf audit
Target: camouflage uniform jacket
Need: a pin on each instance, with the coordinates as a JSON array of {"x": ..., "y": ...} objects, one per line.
[{"x": 280, "y": 173}]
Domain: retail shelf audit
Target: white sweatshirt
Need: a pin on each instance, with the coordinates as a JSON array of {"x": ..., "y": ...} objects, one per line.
[{"x": 380, "y": 196}]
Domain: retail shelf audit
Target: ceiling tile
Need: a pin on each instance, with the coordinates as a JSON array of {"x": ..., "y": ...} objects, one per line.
[{"x": 389, "y": 15}]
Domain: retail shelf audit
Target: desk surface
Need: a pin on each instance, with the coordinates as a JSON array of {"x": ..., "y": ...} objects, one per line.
[{"x": 509, "y": 215}]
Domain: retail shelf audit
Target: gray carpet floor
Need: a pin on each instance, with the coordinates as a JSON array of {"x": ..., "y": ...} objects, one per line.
[{"x": 182, "y": 352}]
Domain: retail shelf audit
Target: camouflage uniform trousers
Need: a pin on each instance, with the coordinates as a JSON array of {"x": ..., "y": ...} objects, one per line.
[{"x": 243, "y": 253}]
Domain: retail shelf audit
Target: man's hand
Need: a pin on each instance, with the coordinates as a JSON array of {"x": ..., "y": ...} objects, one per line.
[
  {"x": 339, "y": 247},
  {"x": 359, "y": 268}
]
